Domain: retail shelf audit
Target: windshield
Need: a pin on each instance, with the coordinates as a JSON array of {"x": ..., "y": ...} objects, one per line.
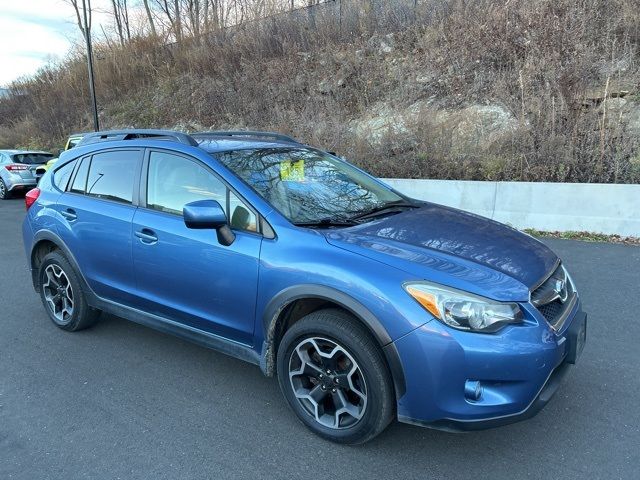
[
  {"x": 32, "y": 158},
  {"x": 306, "y": 185}
]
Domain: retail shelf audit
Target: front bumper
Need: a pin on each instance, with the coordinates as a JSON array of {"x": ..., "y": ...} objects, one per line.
[{"x": 519, "y": 369}]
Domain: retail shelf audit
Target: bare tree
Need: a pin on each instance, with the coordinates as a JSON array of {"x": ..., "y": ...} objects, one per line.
[
  {"x": 181, "y": 18},
  {"x": 121, "y": 19},
  {"x": 193, "y": 15},
  {"x": 172, "y": 11},
  {"x": 77, "y": 7},
  {"x": 152, "y": 25},
  {"x": 84, "y": 23}
]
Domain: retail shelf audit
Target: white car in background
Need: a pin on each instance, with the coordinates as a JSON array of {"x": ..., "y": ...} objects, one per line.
[{"x": 17, "y": 170}]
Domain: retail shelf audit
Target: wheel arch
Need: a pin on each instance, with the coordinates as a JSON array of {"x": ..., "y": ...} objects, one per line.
[
  {"x": 308, "y": 298},
  {"x": 46, "y": 241}
]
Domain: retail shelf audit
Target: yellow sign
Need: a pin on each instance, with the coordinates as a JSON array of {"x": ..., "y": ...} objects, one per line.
[{"x": 292, "y": 171}]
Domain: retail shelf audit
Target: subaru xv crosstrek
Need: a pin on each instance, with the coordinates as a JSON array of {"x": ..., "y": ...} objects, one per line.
[{"x": 366, "y": 304}]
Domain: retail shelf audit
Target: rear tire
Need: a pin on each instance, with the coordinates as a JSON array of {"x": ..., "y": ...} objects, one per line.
[
  {"x": 334, "y": 377},
  {"x": 62, "y": 295},
  {"x": 4, "y": 192}
]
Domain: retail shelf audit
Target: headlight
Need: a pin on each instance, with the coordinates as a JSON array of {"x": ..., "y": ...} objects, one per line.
[{"x": 462, "y": 310}]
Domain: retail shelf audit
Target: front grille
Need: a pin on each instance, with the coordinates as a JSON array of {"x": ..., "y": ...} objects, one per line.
[{"x": 554, "y": 298}]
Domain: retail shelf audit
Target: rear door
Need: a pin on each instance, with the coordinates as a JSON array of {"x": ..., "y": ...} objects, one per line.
[
  {"x": 184, "y": 274},
  {"x": 96, "y": 213}
]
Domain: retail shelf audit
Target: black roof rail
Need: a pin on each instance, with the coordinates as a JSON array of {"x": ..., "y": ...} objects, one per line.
[
  {"x": 132, "y": 133},
  {"x": 245, "y": 133}
]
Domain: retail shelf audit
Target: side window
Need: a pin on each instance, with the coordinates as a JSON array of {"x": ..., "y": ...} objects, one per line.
[
  {"x": 80, "y": 180},
  {"x": 62, "y": 174},
  {"x": 173, "y": 181},
  {"x": 112, "y": 175}
]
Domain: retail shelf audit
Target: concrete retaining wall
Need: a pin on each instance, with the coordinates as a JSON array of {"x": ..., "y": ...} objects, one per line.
[{"x": 599, "y": 208}]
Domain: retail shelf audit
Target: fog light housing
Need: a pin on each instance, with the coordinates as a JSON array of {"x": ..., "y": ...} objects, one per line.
[{"x": 473, "y": 390}]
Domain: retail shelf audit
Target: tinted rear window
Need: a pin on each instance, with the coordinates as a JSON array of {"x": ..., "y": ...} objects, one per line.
[
  {"x": 112, "y": 175},
  {"x": 32, "y": 158}
]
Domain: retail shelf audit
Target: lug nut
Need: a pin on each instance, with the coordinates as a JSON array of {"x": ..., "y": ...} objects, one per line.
[{"x": 333, "y": 390}]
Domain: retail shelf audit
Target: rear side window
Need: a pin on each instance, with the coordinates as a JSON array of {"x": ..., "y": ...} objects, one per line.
[
  {"x": 61, "y": 175},
  {"x": 112, "y": 175}
]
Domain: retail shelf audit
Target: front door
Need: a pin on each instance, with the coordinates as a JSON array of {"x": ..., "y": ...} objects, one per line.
[{"x": 185, "y": 275}]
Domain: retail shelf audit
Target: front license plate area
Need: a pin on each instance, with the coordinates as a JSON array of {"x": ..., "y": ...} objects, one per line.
[{"x": 576, "y": 337}]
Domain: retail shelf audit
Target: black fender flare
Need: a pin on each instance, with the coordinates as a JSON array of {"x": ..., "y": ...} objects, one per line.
[
  {"x": 48, "y": 235},
  {"x": 312, "y": 291}
]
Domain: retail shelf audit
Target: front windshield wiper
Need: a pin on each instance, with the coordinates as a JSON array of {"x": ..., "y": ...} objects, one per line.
[
  {"x": 387, "y": 207},
  {"x": 326, "y": 222}
]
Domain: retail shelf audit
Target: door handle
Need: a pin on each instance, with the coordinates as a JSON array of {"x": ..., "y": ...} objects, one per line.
[
  {"x": 69, "y": 214},
  {"x": 147, "y": 236}
]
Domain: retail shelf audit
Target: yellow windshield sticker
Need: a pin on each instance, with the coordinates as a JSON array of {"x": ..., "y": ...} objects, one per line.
[{"x": 291, "y": 171}]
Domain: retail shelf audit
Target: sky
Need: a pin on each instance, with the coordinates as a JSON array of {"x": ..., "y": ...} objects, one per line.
[{"x": 33, "y": 32}]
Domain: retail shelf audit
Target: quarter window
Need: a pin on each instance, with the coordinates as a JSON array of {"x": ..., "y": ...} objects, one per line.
[
  {"x": 62, "y": 174},
  {"x": 241, "y": 217}
]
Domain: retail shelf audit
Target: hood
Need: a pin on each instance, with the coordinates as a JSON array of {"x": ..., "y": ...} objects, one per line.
[{"x": 454, "y": 248}]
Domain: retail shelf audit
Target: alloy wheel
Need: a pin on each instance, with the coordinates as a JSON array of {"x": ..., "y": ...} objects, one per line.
[
  {"x": 328, "y": 382},
  {"x": 58, "y": 293}
]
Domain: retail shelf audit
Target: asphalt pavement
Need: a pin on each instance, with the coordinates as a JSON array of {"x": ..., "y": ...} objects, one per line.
[{"x": 124, "y": 401}]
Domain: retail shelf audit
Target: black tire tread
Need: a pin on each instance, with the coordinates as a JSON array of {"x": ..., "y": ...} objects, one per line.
[
  {"x": 83, "y": 316},
  {"x": 349, "y": 331},
  {"x": 7, "y": 193}
]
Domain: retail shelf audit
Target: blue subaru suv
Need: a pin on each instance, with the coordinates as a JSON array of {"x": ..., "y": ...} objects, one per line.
[{"x": 367, "y": 305}]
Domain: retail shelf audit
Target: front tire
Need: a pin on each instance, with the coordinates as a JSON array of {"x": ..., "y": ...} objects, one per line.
[
  {"x": 62, "y": 295},
  {"x": 334, "y": 377}
]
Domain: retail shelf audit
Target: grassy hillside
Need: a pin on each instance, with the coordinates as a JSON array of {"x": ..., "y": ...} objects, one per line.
[{"x": 536, "y": 90}]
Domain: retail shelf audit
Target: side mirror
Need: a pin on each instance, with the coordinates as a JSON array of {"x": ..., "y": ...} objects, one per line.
[{"x": 208, "y": 214}]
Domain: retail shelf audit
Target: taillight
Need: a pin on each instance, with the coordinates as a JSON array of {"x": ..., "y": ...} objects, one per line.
[
  {"x": 31, "y": 197},
  {"x": 15, "y": 167}
]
